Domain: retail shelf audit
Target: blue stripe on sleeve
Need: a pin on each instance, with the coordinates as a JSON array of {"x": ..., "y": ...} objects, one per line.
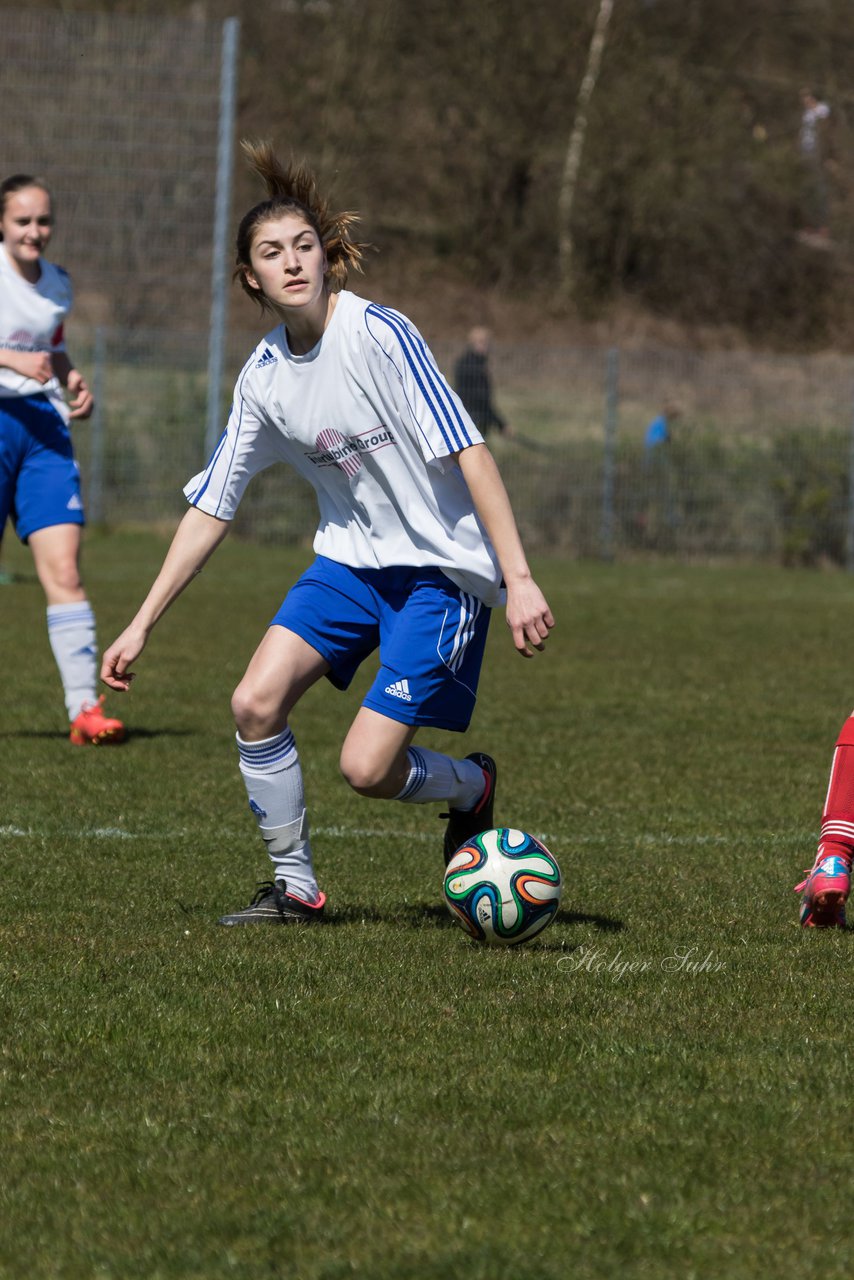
[
  {"x": 206, "y": 477},
  {"x": 209, "y": 470},
  {"x": 430, "y": 382}
]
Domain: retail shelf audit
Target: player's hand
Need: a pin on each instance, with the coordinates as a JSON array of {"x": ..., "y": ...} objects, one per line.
[
  {"x": 528, "y": 616},
  {"x": 81, "y": 402},
  {"x": 119, "y": 657},
  {"x": 34, "y": 364}
]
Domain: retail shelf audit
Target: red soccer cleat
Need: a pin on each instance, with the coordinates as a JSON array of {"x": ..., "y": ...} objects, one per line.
[
  {"x": 91, "y": 728},
  {"x": 825, "y": 892}
]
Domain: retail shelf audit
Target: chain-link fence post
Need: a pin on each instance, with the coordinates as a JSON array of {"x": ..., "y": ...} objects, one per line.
[
  {"x": 609, "y": 452},
  {"x": 95, "y": 496},
  {"x": 219, "y": 279}
]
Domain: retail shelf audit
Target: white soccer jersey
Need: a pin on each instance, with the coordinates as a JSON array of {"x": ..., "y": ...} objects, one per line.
[
  {"x": 31, "y": 319},
  {"x": 370, "y": 422}
]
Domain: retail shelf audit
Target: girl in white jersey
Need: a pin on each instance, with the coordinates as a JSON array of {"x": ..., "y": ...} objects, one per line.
[
  {"x": 39, "y": 480},
  {"x": 416, "y": 541}
]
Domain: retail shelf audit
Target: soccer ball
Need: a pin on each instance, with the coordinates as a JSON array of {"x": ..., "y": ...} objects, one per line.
[{"x": 503, "y": 886}]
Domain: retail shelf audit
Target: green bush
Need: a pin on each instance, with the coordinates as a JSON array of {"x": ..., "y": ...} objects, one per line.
[{"x": 811, "y": 487}]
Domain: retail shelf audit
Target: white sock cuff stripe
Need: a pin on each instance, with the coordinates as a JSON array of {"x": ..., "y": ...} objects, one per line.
[
  {"x": 417, "y": 773},
  {"x": 835, "y": 828},
  {"x": 60, "y": 616},
  {"x": 269, "y": 752}
]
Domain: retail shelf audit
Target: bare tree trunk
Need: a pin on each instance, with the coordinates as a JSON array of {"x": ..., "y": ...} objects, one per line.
[{"x": 572, "y": 164}]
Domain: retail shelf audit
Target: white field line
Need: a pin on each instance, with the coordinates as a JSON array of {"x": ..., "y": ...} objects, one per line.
[{"x": 556, "y": 839}]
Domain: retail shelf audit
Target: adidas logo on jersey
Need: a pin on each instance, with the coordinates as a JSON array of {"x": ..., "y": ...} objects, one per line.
[
  {"x": 74, "y": 503},
  {"x": 400, "y": 689},
  {"x": 266, "y": 358}
]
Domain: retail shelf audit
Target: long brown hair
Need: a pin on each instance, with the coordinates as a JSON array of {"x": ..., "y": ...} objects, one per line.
[{"x": 293, "y": 189}]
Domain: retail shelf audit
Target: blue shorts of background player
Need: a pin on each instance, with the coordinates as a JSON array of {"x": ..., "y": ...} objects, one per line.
[
  {"x": 39, "y": 477},
  {"x": 430, "y": 634}
]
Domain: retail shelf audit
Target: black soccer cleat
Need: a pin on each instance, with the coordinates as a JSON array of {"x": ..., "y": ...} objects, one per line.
[
  {"x": 465, "y": 823},
  {"x": 272, "y": 904}
]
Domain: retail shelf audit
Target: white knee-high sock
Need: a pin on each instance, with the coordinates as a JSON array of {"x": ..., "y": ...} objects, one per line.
[
  {"x": 272, "y": 773},
  {"x": 71, "y": 631},
  {"x": 436, "y": 777}
]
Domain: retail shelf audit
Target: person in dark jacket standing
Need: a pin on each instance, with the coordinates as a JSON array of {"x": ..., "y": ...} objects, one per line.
[{"x": 473, "y": 383}]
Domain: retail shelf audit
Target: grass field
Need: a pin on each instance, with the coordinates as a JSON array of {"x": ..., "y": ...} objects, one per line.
[{"x": 655, "y": 1087}]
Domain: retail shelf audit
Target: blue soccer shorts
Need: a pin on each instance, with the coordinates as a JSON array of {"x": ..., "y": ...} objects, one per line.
[
  {"x": 431, "y": 637},
  {"x": 39, "y": 477}
]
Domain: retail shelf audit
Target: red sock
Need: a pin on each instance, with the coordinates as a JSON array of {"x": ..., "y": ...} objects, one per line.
[{"x": 837, "y": 820}]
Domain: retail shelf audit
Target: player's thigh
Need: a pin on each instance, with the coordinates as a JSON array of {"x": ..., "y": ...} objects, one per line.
[
  {"x": 56, "y": 555},
  {"x": 280, "y": 671}
]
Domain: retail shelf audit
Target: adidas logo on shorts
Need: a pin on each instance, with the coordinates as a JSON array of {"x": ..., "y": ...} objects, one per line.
[{"x": 400, "y": 689}]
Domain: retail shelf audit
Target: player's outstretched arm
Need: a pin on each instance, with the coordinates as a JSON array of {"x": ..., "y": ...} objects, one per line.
[
  {"x": 528, "y": 615},
  {"x": 196, "y": 538}
]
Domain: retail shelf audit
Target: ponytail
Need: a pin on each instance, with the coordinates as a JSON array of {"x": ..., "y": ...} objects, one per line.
[{"x": 293, "y": 189}]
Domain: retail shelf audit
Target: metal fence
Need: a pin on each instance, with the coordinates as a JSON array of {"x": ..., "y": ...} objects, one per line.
[
  {"x": 758, "y": 466},
  {"x": 130, "y": 122},
  {"x": 120, "y": 116}
]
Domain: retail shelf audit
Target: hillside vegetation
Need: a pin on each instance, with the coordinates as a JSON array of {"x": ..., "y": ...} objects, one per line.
[{"x": 448, "y": 124}]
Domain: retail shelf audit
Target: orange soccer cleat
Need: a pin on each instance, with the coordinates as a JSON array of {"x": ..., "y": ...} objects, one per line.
[{"x": 91, "y": 728}]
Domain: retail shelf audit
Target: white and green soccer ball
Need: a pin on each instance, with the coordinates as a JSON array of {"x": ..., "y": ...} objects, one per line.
[{"x": 503, "y": 886}]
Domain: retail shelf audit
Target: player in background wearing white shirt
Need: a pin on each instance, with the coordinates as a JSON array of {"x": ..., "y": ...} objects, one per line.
[
  {"x": 39, "y": 479},
  {"x": 416, "y": 542}
]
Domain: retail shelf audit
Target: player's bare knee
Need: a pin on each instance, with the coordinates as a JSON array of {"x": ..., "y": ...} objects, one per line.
[
  {"x": 61, "y": 578},
  {"x": 253, "y": 714},
  {"x": 367, "y": 777}
]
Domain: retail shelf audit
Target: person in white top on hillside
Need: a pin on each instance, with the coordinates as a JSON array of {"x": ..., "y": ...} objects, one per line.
[
  {"x": 813, "y": 115},
  {"x": 416, "y": 541},
  {"x": 39, "y": 478}
]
